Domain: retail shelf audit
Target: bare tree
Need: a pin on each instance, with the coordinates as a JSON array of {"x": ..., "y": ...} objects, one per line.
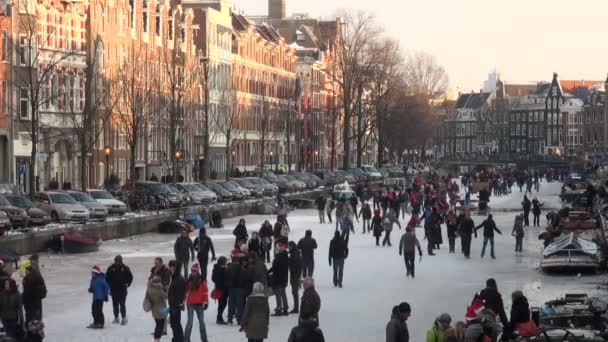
[
  {"x": 264, "y": 129},
  {"x": 359, "y": 31},
  {"x": 38, "y": 59},
  {"x": 424, "y": 75},
  {"x": 230, "y": 109},
  {"x": 288, "y": 114}
]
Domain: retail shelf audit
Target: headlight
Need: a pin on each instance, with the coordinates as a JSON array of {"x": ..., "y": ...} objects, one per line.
[{"x": 67, "y": 211}]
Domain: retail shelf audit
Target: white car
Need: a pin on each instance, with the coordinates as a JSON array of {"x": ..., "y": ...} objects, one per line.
[{"x": 115, "y": 207}]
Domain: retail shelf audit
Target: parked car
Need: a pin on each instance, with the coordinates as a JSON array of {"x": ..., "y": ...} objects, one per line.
[
  {"x": 302, "y": 177},
  {"x": 255, "y": 190},
  {"x": 345, "y": 177},
  {"x": 18, "y": 216},
  {"x": 97, "y": 211},
  {"x": 373, "y": 173},
  {"x": 320, "y": 182},
  {"x": 36, "y": 216},
  {"x": 159, "y": 193},
  {"x": 114, "y": 206},
  {"x": 297, "y": 185},
  {"x": 61, "y": 206},
  {"x": 222, "y": 194},
  {"x": 268, "y": 188},
  {"x": 329, "y": 178},
  {"x": 184, "y": 199},
  {"x": 198, "y": 193},
  {"x": 5, "y": 223},
  {"x": 282, "y": 183},
  {"x": 238, "y": 191},
  {"x": 359, "y": 175}
]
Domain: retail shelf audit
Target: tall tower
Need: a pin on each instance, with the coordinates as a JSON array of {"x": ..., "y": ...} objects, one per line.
[{"x": 276, "y": 9}]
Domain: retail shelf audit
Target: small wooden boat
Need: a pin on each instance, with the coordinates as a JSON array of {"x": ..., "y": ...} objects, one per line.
[
  {"x": 74, "y": 243},
  {"x": 570, "y": 253}
]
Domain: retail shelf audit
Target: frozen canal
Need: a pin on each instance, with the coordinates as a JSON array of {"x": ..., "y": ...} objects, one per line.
[{"x": 374, "y": 281}]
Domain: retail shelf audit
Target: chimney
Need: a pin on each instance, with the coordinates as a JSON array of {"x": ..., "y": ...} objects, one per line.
[{"x": 276, "y": 9}]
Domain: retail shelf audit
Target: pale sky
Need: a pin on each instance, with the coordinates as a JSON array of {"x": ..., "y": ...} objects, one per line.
[{"x": 525, "y": 40}]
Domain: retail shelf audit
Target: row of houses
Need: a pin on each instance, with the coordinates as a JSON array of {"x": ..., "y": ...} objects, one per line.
[
  {"x": 546, "y": 120},
  {"x": 87, "y": 86}
]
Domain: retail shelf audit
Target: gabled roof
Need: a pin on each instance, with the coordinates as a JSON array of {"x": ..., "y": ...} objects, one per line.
[
  {"x": 472, "y": 100},
  {"x": 239, "y": 22}
]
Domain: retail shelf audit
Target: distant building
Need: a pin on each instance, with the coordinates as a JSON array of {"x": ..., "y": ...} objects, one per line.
[
  {"x": 467, "y": 129},
  {"x": 489, "y": 85}
]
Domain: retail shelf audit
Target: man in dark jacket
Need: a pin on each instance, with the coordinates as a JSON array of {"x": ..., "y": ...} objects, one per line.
[
  {"x": 311, "y": 302},
  {"x": 161, "y": 271},
  {"x": 320, "y": 202},
  {"x": 240, "y": 233},
  {"x": 184, "y": 250},
  {"x": 306, "y": 331},
  {"x": 307, "y": 246},
  {"x": 236, "y": 282},
  {"x": 489, "y": 227},
  {"x": 266, "y": 240},
  {"x": 34, "y": 291},
  {"x": 338, "y": 252},
  {"x": 203, "y": 244},
  {"x": 407, "y": 248},
  {"x": 493, "y": 300},
  {"x": 466, "y": 230},
  {"x": 526, "y": 205},
  {"x": 396, "y": 329},
  {"x": 119, "y": 278},
  {"x": 177, "y": 296},
  {"x": 295, "y": 274},
  {"x": 279, "y": 274}
]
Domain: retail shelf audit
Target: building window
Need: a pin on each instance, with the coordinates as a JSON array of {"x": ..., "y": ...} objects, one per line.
[
  {"x": 5, "y": 96},
  {"x": 170, "y": 28},
  {"x": 144, "y": 19},
  {"x": 132, "y": 8},
  {"x": 121, "y": 20},
  {"x": 4, "y": 45},
  {"x": 24, "y": 103},
  {"x": 24, "y": 51}
]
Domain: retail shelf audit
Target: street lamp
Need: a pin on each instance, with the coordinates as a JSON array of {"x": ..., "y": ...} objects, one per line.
[
  {"x": 108, "y": 151},
  {"x": 178, "y": 155}
]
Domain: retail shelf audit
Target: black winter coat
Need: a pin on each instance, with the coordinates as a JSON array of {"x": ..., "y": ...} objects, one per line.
[
  {"x": 489, "y": 227},
  {"x": 295, "y": 267},
  {"x": 377, "y": 226},
  {"x": 119, "y": 278},
  {"x": 306, "y": 331},
  {"x": 320, "y": 203},
  {"x": 177, "y": 290},
  {"x": 493, "y": 301},
  {"x": 311, "y": 304},
  {"x": 218, "y": 276},
  {"x": 338, "y": 249},
  {"x": 467, "y": 228},
  {"x": 307, "y": 245},
  {"x": 183, "y": 249},
  {"x": 203, "y": 246},
  {"x": 265, "y": 231},
  {"x": 280, "y": 270},
  {"x": 366, "y": 213},
  {"x": 34, "y": 288},
  {"x": 237, "y": 276},
  {"x": 520, "y": 311},
  {"x": 254, "y": 245},
  {"x": 240, "y": 233}
]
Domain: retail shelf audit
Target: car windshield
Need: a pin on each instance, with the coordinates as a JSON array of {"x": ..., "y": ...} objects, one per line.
[
  {"x": 236, "y": 185},
  {"x": 291, "y": 178},
  {"x": 201, "y": 187},
  {"x": 191, "y": 187},
  {"x": 62, "y": 199},
  {"x": 282, "y": 178},
  {"x": 228, "y": 186},
  {"x": 271, "y": 176},
  {"x": 101, "y": 195},
  {"x": 4, "y": 201},
  {"x": 315, "y": 177},
  {"x": 370, "y": 169},
  {"x": 81, "y": 197},
  {"x": 173, "y": 189},
  {"x": 21, "y": 202},
  {"x": 160, "y": 188}
]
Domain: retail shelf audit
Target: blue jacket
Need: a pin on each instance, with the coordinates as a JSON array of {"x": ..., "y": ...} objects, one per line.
[{"x": 99, "y": 287}]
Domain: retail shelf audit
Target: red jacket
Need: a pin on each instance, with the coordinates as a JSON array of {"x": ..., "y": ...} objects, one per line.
[{"x": 197, "y": 296}]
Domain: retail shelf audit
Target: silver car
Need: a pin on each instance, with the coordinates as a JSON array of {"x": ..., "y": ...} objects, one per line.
[
  {"x": 115, "y": 207},
  {"x": 198, "y": 193},
  {"x": 61, "y": 206},
  {"x": 97, "y": 211}
]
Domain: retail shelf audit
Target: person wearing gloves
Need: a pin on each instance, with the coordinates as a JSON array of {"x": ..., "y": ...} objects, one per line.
[
  {"x": 119, "y": 279},
  {"x": 440, "y": 328},
  {"x": 197, "y": 300},
  {"x": 407, "y": 248},
  {"x": 100, "y": 290},
  {"x": 489, "y": 227},
  {"x": 256, "y": 315},
  {"x": 184, "y": 250},
  {"x": 338, "y": 252}
]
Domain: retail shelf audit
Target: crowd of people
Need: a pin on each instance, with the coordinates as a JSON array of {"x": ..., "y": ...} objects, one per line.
[{"x": 265, "y": 262}]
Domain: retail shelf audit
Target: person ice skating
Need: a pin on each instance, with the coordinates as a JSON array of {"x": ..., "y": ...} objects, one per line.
[
  {"x": 307, "y": 330},
  {"x": 197, "y": 301},
  {"x": 254, "y": 244},
  {"x": 387, "y": 225},
  {"x": 100, "y": 290},
  {"x": 265, "y": 234},
  {"x": 407, "y": 247},
  {"x": 240, "y": 233},
  {"x": 354, "y": 203},
  {"x": 279, "y": 274},
  {"x": 536, "y": 205},
  {"x": 526, "y": 205},
  {"x": 320, "y": 202},
  {"x": 518, "y": 233},
  {"x": 119, "y": 279},
  {"x": 311, "y": 301},
  {"x": 161, "y": 271},
  {"x": 396, "y": 329},
  {"x": 307, "y": 246},
  {"x": 466, "y": 231},
  {"x": 493, "y": 300},
  {"x": 34, "y": 291},
  {"x": 256, "y": 315},
  {"x": 338, "y": 252},
  {"x": 377, "y": 227},
  {"x": 155, "y": 302},
  {"x": 348, "y": 218},
  {"x": 489, "y": 227},
  {"x": 452, "y": 226},
  {"x": 237, "y": 281},
  {"x": 219, "y": 280},
  {"x": 439, "y": 330},
  {"x": 339, "y": 213},
  {"x": 11, "y": 309},
  {"x": 295, "y": 274},
  {"x": 203, "y": 245},
  {"x": 176, "y": 297},
  {"x": 330, "y": 205},
  {"x": 184, "y": 250},
  {"x": 366, "y": 216}
]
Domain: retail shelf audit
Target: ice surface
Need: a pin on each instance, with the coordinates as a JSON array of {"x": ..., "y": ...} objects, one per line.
[{"x": 374, "y": 281}]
